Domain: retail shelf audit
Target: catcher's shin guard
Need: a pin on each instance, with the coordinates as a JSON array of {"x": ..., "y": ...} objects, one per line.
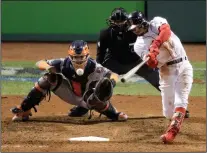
[
  {"x": 105, "y": 108},
  {"x": 112, "y": 113},
  {"x": 23, "y": 111},
  {"x": 34, "y": 97},
  {"x": 174, "y": 126}
]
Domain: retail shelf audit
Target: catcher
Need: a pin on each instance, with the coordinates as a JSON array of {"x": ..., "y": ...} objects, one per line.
[{"x": 76, "y": 79}]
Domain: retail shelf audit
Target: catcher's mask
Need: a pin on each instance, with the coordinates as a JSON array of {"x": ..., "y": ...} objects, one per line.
[
  {"x": 79, "y": 53},
  {"x": 118, "y": 20},
  {"x": 137, "y": 23}
]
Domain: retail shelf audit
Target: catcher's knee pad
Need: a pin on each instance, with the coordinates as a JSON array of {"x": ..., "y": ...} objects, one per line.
[
  {"x": 110, "y": 112},
  {"x": 48, "y": 82}
]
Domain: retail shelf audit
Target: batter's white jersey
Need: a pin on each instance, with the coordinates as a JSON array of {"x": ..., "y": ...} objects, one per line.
[
  {"x": 170, "y": 50},
  {"x": 175, "y": 79}
]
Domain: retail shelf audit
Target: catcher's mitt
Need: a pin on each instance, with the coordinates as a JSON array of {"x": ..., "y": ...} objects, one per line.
[{"x": 104, "y": 89}]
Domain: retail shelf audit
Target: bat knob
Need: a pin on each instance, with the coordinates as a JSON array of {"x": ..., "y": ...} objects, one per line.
[{"x": 123, "y": 80}]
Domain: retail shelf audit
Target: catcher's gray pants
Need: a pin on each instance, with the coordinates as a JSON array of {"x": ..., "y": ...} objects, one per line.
[{"x": 64, "y": 91}]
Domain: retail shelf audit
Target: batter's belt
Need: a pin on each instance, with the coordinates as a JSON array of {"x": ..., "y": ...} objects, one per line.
[{"x": 177, "y": 60}]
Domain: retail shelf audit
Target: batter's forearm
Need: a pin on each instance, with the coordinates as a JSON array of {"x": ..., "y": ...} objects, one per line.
[{"x": 163, "y": 36}]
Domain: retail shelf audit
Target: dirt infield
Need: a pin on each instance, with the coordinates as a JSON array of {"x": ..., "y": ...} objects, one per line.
[{"x": 50, "y": 127}]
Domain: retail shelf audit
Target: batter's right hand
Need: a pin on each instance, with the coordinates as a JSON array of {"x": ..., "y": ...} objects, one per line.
[
  {"x": 152, "y": 62},
  {"x": 51, "y": 69}
]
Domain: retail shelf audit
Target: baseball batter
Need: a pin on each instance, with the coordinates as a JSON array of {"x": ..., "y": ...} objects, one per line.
[
  {"x": 165, "y": 51},
  {"x": 77, "y": 80}
]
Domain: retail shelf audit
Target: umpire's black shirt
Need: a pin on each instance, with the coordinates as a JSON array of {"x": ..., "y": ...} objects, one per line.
[{"x": 116, "y": 46}]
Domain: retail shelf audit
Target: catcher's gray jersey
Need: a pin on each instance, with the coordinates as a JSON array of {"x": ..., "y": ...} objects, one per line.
[{"x": 72, "y": 87}]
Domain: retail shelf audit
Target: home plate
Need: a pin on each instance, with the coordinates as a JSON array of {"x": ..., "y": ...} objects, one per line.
[{"x": 89, "y": 138}]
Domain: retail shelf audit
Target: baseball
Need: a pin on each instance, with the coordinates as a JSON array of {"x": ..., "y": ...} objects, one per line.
[{"x": 79, "y": 72}]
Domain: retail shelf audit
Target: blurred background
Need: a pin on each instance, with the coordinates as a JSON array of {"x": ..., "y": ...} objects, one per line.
[{"x": 54, "y": 20}]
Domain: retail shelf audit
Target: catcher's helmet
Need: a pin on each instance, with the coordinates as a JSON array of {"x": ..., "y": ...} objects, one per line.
[
  {"x": 137, "y": 19},
  {"x": 79, "y": 53},
  {"x": 118, "y": 19}
]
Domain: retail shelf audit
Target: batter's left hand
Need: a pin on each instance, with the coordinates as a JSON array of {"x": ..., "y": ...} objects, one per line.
[
  {"x": 152, "y": 62},
  {"x": 154, "y": 49}
]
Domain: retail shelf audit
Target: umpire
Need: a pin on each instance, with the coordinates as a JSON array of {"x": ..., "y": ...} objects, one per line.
[
  {"x": 115, "y": 48},
  {"x": 115, "y": 51}
]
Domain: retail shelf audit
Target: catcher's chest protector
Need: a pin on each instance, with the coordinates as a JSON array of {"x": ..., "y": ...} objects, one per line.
[{"x": 78, "y": 83}]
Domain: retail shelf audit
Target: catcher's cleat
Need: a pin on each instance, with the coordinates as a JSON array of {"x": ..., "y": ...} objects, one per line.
[
  {"x": 20, "y": 115},
  {"x": 78, "y": 111},
  {"x": 122, "y": 116}
]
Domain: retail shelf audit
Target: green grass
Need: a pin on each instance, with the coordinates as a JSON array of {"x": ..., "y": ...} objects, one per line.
[
  {"x": 32, "y": 64},
  {"x": 199, "y": 74},
  {"x": 22, "y": 88},
  {"x": 25, "y": 75},
  {"x": 19, "y": 64},
  {"x": 199, "y": 64},
  {"x": 147, "y": 89},
  {"x": 135, "y": 89},
  {"x": 15, "y": 87}
]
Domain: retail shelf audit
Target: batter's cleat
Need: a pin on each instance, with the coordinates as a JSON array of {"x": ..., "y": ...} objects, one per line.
[
  {"x": 78, "y": 111},
  {"x": 187, "y": 114},
  {"x": 174, "y": 126},
  {"x": 20, "y": 115},
  {"x": 169, "y": 136}
]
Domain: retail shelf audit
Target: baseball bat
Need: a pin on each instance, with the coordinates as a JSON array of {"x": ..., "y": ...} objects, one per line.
[{"x": 133, "y": 71}]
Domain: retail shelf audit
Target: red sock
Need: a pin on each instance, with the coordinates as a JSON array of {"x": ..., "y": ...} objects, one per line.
[{"x": 180, "y": 109}]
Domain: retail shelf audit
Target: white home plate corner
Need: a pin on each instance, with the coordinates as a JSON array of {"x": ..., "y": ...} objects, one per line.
[{"x": 89, "y": 138}]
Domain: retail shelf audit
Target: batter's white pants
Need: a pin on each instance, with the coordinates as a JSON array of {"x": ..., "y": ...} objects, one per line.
[{"x": 175, "y": 85}]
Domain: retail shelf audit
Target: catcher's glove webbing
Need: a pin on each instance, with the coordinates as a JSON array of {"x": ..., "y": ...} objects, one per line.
[
  {"x": 104, "y": 89},
  {"x": 98, "y": 97}
]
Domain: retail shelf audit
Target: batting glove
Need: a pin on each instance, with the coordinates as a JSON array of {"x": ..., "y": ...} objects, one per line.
[{"x": 152, "y": 62}]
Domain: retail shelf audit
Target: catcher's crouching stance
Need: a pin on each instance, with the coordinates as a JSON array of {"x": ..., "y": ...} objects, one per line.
[{"x": 76, "y": 79}]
